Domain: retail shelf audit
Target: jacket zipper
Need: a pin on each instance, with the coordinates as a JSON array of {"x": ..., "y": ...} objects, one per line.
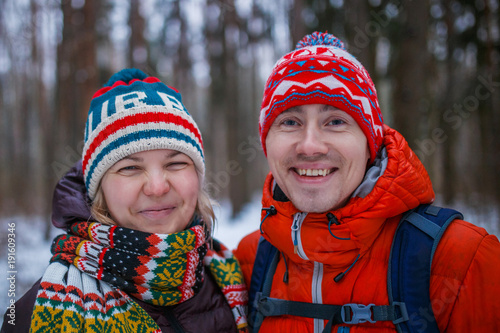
[
  {"x": 317, "y": 278},
  {"x": 316, "y": 293},
  {"x": 298, "y": 219},
  {"x": 174, "y": 323}
]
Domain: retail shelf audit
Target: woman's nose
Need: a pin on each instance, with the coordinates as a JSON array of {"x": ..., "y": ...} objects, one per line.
[
  {"x": 312, "y": 142},
  {"x": 156, "y": 184}
]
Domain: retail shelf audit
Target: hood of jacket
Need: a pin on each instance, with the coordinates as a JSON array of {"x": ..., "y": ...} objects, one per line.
[
  {"x": 398, "y": 183},
  {"x": 70, "y": 202}
]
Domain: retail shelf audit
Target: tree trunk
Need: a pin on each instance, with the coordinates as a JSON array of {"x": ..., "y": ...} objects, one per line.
[
  {"x": 77, "y": 79},
  {"x": 410, "y": 97},
  {"x": 452, "y": 91},
  {"x": 362, "y": 32},
  {"x": 138, "y": 51},
  {"x": 489, "y": 113},
  {"x": 296, "y": 22}
]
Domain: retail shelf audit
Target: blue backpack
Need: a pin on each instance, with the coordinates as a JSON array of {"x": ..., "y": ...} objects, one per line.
[{"x": 408, "y": 280}]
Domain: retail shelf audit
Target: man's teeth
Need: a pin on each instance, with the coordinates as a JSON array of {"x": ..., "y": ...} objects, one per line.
[{"x": 313, "y": 172}]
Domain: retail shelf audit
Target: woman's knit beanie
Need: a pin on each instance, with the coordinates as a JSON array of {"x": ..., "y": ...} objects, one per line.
[{"x": 134, "y": 113}]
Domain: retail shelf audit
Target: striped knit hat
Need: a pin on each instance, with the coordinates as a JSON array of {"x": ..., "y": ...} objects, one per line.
[
  {"x": 134, "y": 113},
  {"x": 321, "y": 71}
]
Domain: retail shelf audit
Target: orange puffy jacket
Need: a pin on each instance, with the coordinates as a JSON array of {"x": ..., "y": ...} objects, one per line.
[{"x": 465, "y": 274}]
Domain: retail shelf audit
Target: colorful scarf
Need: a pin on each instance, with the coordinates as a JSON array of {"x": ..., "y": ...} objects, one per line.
[{"x": 96, "y": 268}]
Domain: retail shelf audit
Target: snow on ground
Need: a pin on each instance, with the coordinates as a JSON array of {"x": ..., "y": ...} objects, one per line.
[
  {"x": 32, "y": 252},
  {"x": 230, "y": 231}
]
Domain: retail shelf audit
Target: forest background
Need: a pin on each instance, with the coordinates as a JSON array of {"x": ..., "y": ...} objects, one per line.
[{"x": 435, "y": 64}]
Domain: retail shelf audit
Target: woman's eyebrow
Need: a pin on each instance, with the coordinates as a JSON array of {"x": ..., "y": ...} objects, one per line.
[
  {"x": 172, "y": 153},
  {"x": 133, "y": 158}
]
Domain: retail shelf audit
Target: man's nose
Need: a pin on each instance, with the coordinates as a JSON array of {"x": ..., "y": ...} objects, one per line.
[{"x": 312, "y": 142}]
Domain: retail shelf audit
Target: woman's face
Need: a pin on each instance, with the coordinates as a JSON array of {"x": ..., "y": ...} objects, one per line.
[{"x": 153, "y": 191}]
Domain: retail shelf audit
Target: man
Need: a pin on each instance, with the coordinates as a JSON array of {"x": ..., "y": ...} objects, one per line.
[{"x": 339, "y": 183}]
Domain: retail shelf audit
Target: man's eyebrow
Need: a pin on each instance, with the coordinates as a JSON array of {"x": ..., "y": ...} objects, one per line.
[
  {"x": 297, "y": 108},
  {"x": 327, "y": 107},
  {"x": 300, "y": 109}
]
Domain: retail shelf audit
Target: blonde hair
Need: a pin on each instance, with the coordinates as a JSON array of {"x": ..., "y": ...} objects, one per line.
[{"x": 204, "y": 209}]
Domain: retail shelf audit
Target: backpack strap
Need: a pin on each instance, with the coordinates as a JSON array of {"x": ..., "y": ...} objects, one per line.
[
  {"x": 263, "y": 306},
  {"x": 413, "y": 247},
  {"x": 351, "y": 313},
  {"x": 264, "y": 259}
]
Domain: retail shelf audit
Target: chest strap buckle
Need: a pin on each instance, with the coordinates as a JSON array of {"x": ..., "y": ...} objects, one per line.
[{"x": 353, "y": 313}]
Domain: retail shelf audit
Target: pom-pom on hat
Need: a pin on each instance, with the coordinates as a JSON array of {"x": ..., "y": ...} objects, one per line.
[
  {"x": 321, "y": 71},
  {"x": 134, "y": 112}
]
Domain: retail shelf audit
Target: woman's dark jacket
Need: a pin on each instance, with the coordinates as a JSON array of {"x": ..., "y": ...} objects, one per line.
[{"x": 208, "y": 311}]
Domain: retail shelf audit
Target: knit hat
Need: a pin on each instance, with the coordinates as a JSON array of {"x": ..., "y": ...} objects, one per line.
[
  {"x": 134, "y": 113},
  {"x": 321, "y": 71}
]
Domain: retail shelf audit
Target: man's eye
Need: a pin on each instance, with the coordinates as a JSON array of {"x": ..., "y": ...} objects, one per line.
[
  {"x": 336, "y": 122},
  {"x": 289, "y": 122}
]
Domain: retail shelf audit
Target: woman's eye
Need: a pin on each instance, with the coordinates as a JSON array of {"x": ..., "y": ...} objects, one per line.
[
  {"x": 176, "y": 165},
  {"x": 128, "y": 168}
]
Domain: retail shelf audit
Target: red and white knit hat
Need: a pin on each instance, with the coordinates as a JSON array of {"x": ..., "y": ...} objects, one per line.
[
  {"x": 134, "y": 113},
  {"x": 321, "y": 71}
]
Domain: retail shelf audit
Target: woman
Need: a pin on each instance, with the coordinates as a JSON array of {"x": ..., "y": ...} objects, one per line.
[{"x": 148, "y": 264}]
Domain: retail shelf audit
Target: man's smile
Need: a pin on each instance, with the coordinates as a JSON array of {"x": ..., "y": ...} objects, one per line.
[{"x": 313, "y": 172}]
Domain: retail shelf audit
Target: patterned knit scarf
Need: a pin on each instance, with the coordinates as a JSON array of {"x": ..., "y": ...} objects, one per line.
[{"x": 96, "y": 267}]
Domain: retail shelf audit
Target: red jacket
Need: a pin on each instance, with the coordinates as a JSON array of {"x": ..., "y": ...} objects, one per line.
[{"x": 465, "y": 274}]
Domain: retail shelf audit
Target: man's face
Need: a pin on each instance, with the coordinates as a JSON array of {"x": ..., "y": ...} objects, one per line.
[{"x": 317, "y": 155}]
